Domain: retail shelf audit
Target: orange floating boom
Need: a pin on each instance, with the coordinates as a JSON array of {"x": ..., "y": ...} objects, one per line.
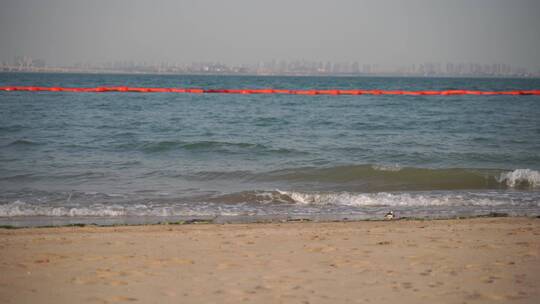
[{"x": 124, "y": 89}]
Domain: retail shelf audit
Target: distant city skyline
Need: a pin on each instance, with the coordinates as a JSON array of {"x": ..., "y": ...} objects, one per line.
[{"x": 274, "y": 67}]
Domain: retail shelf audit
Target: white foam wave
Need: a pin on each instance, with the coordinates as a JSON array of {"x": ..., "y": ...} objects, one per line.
[
  {"x": 282, "y": 202},
  {"x": 391, "y": 168},
  {"x": 20, "y": 208},
  {"x": 398, "y": 199},
  {"x": 521, "y": 178}
]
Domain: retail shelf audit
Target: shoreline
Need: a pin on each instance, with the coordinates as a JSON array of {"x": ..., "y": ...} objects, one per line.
[
  {"x": 49, "y": 222},
  {"x": 474, "y": 260}
]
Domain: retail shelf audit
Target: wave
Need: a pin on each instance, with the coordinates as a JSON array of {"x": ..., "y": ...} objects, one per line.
[
  {"x": 357, "y": 178},
  {"x": 204, "y": 146},
  {"x": 12, "y": 128},
  {"x": 422, "y": 199},
  {"x": 376, "y": 178},
  {"x": 219, "y": 146},
  {"x": 210, "y": 145},
  {"x": 65, "y": 176},
  {"x": 17, "y": 177},
  {"x": 393, "y": 168},
  {"x": 22, "y": 143},
  {"x": 20, "y": 208},
  {"x": 160, "y": 146},
  {"x": 521, "y": 178},
  {"x": 395, "y": 178},
  {"x": 393, "y": 199},
  {"x": 279, "y": 202}
]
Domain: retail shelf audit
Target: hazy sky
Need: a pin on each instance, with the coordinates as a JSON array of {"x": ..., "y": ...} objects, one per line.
[{"x": 388, "y": 32}]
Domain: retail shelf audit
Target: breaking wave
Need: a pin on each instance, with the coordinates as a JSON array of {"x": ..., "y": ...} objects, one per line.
[
  {"x": 378, "y": 178},
  {"x": 415, "y": 199},
  {"x": 521, "y": 178}
]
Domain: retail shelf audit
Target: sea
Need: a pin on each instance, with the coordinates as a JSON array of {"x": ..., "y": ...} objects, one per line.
[{"x": 138, "y": 158}]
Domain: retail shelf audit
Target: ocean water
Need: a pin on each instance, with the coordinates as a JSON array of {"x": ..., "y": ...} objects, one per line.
[{"x": 150, "y": 157}]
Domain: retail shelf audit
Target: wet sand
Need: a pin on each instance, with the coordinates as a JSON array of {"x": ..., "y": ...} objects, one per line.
[{"x": 443, "y": 261}]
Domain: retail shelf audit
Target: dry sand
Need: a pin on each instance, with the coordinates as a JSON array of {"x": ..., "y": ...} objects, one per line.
[{"x": 443, "y": 261}]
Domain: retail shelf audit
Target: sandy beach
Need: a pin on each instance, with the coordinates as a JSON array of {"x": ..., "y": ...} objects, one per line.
[{"x": 440, "y": 261}]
